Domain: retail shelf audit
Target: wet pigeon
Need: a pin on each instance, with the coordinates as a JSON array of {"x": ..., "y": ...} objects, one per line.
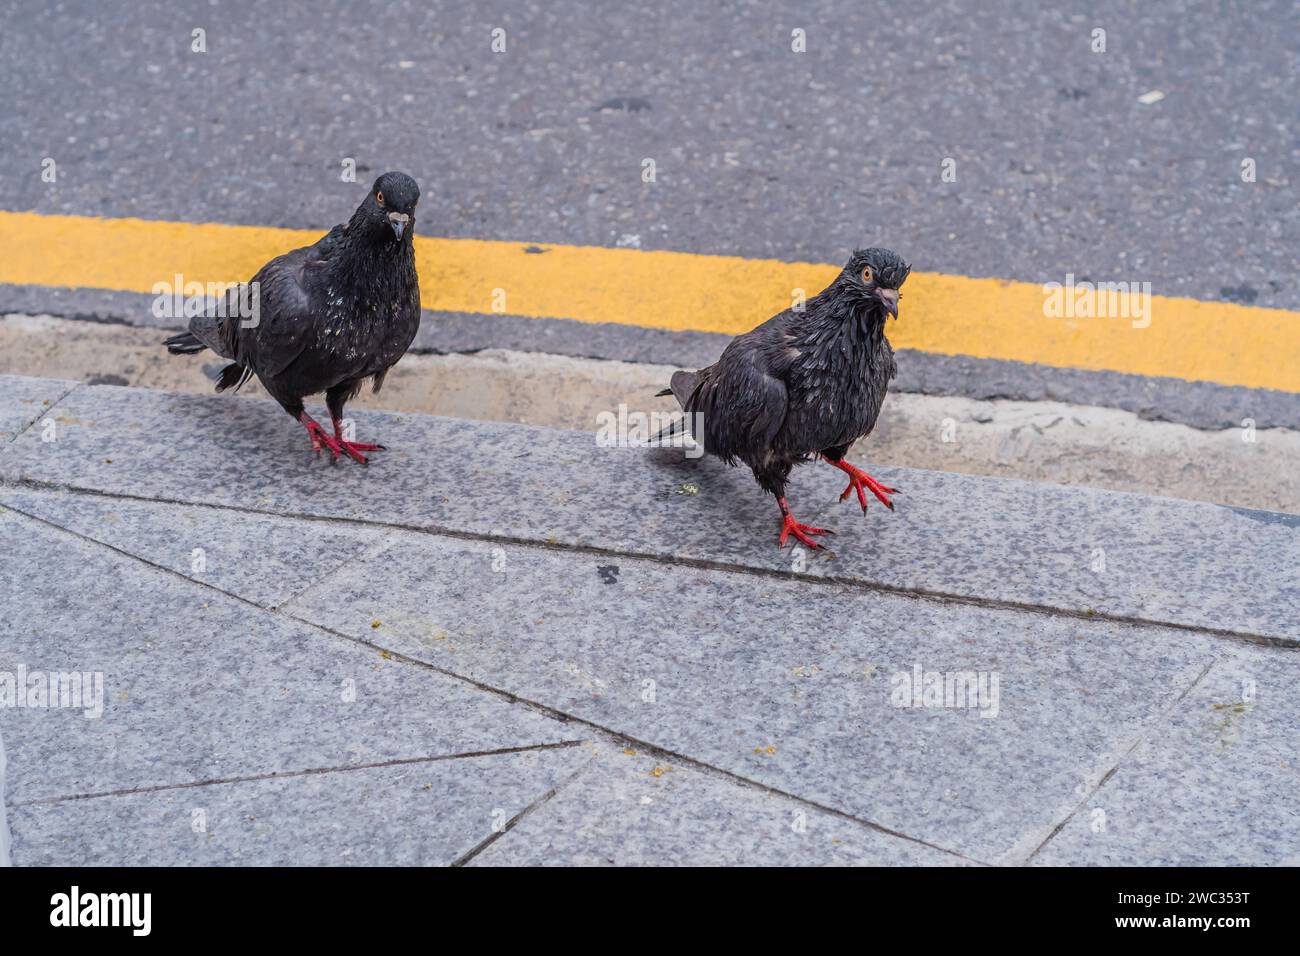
[
  {"x": 803, "y": 384},
  {"x": 328, "y": 316}
]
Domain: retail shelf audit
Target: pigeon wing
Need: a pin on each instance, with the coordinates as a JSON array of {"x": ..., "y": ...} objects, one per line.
[
  {"x": 285, "y": 320},
  {"x": 741, "y": 404},
  {"x": 281, "y": 299}
]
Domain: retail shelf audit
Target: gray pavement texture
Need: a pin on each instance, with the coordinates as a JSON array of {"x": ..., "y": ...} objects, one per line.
[
  {"x": 5, "y": 838},
  {"x": 502, "y": 645},
  {"x": 1203, "y": 405}
]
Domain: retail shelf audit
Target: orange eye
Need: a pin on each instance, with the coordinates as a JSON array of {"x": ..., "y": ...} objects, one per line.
[
  {"x": 866, "y": 274},
  {"x": 379, "y": 198}
]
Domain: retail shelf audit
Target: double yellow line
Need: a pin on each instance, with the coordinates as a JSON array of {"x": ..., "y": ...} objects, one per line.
[{"x": 951, "y": 315}]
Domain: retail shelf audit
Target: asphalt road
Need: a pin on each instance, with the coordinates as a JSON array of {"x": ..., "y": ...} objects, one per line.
[{"x": 759, "y": 151}]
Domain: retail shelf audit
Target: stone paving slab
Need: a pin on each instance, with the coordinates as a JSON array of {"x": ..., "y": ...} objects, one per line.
[
  {"x": 1214, "y": 785},
  {"x": 788, "y": 683},
  {"x": 24, "y": 400},
  {"x": 633, "y": 810},
  {"x": 197, "y": 686},
  {"x": 411, "y": 815},
  {"x": 261, "y": 558},
  {"x": 994, "y": 540}
]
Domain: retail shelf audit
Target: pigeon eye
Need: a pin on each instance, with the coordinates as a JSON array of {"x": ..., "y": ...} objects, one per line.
[
  {"x": 867, "y": 275},
  {"x": 379, "y": 198}
]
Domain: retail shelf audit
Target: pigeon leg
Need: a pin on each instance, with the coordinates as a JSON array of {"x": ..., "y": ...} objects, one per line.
[
  {"x": 335, "y": 399},
  {"x": 353, "y": 448},
  {"x": 319, "y": 437},
  {"x": 789, "y": 526},
  {"x": 859, "y": 480}
]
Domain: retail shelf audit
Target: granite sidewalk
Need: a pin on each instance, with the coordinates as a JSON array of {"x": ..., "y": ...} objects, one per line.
[{"x": 501, "y": 645}]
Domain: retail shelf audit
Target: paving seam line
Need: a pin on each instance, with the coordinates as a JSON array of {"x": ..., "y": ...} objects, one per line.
[
  {"x": 363, "y": 555},
  {"x": 705, "y": 564},
  {"x": 1141, "y": 736},
  {"x": 54, "y": 403},
  {"x": 537, "y": 804},
  {"x": 304, "y": 772}
]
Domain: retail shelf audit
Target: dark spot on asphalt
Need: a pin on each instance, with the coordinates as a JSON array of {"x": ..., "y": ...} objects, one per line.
[
  {"x": 1071, "y": 93},
  {"x": 1239, "y": 293},
  {"x": 608, "y": 573},
  {"x": 363, "y": 169},
  {"x": 534, "y": 250},
  {"x": 107, "y": 380},
  {"x": 1269, "y": 517},
  {"x": 623, "y": 104}
]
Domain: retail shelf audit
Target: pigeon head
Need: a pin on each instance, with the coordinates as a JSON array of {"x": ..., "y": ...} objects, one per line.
[
  {"x": 390, "y": 207},
  {"x": 874, "y": 276}
]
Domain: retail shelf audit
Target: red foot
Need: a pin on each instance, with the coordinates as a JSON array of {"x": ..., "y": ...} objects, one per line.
[
  {"x": 337, "y": 444},
  {"x": 858, "y": 480},
  {"x": 789, "y": 526}
]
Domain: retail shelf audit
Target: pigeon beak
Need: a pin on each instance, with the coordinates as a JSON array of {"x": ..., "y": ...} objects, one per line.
[
  {"x": 889, "y": 299},
  {"x": 398, "y": 221}
]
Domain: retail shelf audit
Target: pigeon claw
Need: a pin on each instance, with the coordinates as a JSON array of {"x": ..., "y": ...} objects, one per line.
[
  {"x": 789, "y": 526},
  {"x": 861, "y": 482},
  {"x": 801, "y": 531},
  {"x": 336, "y": 443},
  {"x": 353, "y": 450}
]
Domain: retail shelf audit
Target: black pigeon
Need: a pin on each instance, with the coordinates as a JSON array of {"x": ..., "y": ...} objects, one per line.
[
  {"x": 330, "y": 315},
  {"x": 805, "y": 383}
]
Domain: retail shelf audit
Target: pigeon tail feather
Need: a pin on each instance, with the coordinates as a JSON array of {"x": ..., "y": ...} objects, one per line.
[
  {"x": 233, "y": 374},
  {"x": 683, "y": 383},
  {"x": 186, "y": 343}
]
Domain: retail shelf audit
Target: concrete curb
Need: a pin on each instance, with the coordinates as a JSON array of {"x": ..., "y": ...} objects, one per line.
[{"x": 1199, "y": 404}]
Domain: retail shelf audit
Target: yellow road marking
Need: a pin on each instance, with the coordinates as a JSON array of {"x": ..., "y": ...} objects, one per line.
[{"x": 953, "y": 315}]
